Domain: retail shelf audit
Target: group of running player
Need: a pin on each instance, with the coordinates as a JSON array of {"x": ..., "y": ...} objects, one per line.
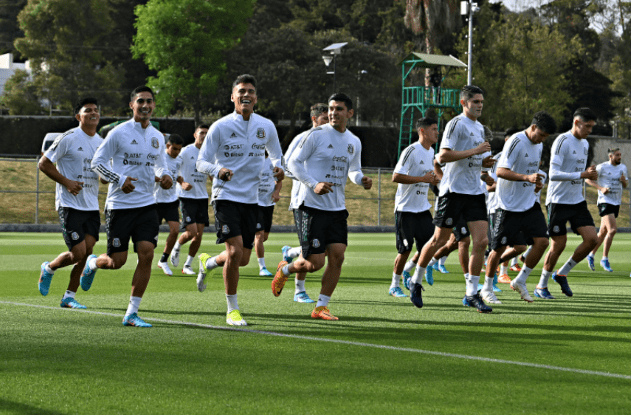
[{"x": 495, "y": 199}]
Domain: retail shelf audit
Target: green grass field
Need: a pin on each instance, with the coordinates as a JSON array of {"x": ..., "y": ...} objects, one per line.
[{"x": 566, "y": 356}]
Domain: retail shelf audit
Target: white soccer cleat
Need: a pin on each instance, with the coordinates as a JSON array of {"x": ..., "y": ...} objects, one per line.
[
  {"x": 165, "y": 268},
  {"x": 188, "y": 270},
  {"x": 201, "y": 277},
  {"x": 522, "y": 290},
  {"x": 175, "y": 258},
  {"x": 489, "y": 297}
]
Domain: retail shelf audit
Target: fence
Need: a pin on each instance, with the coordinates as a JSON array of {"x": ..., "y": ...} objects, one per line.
[{"x": 28, "y": 197}]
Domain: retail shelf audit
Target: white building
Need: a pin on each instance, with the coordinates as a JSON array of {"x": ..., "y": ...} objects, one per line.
[{"x": 8, "y": 68}]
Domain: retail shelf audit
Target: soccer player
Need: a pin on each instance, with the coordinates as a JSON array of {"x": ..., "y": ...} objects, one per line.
[
  {"x": 565, "y": 201},
  {"x": 612, "y": 177},
  {"x": 319, "y": 116},
  {"x": 193, "y": 197},
  {"x": 323, "y": 161},
  {"x": 414, "y": 173},
  {"x": 518, "y": 216},
  {"x": 465, "y": 152},
  {"x": 166, "y": 199},
  {"x": 76, "y": 197},
  {"x": 269, "y": 194},
  {"x": 134, "y": 148},
  {"x": 234, "y": 153}
]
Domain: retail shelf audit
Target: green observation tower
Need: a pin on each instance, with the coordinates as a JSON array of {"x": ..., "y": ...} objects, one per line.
[{"x": 417, "y": 100}]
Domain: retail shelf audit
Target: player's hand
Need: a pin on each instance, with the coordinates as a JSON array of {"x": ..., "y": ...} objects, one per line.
[
  {"x": 605, "y": 190},
  {"x": 74, "y": 187},
  {"x": 323, "y": 188},
  {"x": 186, "y": 186},
  {"x": 103, "y": 181},
  {"x": 538, "y": 186},
  {"x": 433, "y": 179},
  {"x": 622, "y": 178},
  {"x": 488, "y": 161},
  {"x": 166, "y": 182},
  {"x": 157, "y": 179},
  {"x": 279, "y": 174},
  {"x": 366, "y": 182},
  {"x": 225, "y": 174},
  {"x": 128, "y": 187},
  {"x": 534, "y": 178},
  {"x": 275, "y": 197},
  {"x": 483, "y": 148},
  {"x": 590, "y": 173}
]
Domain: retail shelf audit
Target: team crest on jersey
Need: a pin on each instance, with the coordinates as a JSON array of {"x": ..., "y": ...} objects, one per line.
[
  {"x": 155, "y": 143},
  {"x": 351, "y": 149},
  {"x": 116, "y": 242},
  {"x": 74, "y": 236},
  {"x": 260, "y": 133},
  {"x": 449, "y": 222},
  {"x": 555, "y": 229},
  {"x": 225, "y": 229},
  {"x": 315, "y": 243}
]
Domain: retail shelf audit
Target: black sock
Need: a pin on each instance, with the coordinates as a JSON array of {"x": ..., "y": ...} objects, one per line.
[{"x": 164, "y": 257}]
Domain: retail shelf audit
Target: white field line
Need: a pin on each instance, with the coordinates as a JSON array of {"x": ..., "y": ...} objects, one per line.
[{"x": 346, "y": 342}]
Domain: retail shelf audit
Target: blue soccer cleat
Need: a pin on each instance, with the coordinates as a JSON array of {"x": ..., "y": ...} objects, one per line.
[
  {"x": 465, "y": 302},
  {"x": 265, "y": 273},
  {"x": 429, "y": 275},
  {"x": 562, "y": 281},
  {"x": 406, "y": 280},
  {"x": 286, "y": 256},
  {"x": 134, "y": 320},
  {"x": 87, "y": 276},
  {"x": 442, "y": 269},
  {"x": 396, "y": 292},
  {"x": 436, "y": 266},
  {"x": 44, "y": 280},
  {"x": 496, "y": 289},
  {"x": 605, "y": 264},
  {"x": 303, "y": 297},
  {"x": 543, "y": 293},
  {"x": 71, "y": 303},
  {"x": 416, "y": 294},
  {"x": 590, "y": 262}
]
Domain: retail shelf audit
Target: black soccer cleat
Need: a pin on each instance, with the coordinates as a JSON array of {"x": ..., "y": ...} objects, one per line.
[
  {"x": 477, "y": 302},
  {"x": 416, "y": 294},
  {"x": 562, "y": 281}
]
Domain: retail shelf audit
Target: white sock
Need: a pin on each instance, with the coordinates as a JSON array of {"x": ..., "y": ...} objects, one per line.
[
  {"x": 523, "y": 274},
  {"x": 261, "y": 262},
  {"x": 466, "y": 277},
  {"x": 603, "y": 259},
  {"x": 442, "y": 260},
  {"x": 177, "y": 246},
  {"x": 513, "y": 261},
  {"x": 503, "y": 270},
  {"x": 211, "y": 263},
  {"x": 395, "y": 280},
  {"x": 545, "y": 277},
  {"x": 92, "y": 263},
  {"x": 432, "y": 262},
  {"x": 68, "y": 294},
  {"x": 49, "y": 269},
  {"x": 525, "y": 254},
  {"x": 323, "y": 301},
  {"x": 300, "y": 286},
  {"x": 294, "y": 252},
  {"x": 472, "y": 285},
  {"x": 409, "y": 266},
  {"x": 565, "y": 269},
  {"x": 417, "y": 278},
  {"x": 189, "y": 261},
  {"x": 285, "y": 270},
  {"x": 488, "y": 284},
  {"x": 233, "y": 304},
  {"x": 134, "y": 303},
  {"x": 591, "y": 254}
]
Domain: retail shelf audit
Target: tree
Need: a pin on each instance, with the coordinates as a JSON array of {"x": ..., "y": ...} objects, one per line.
[
  {"x": 9, "y": 27},
  {"x": 20, "y": 95},
  {"x": 184, "y": 40}
]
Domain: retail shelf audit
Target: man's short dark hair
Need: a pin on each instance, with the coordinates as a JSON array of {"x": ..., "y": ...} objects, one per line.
[
  {"x": 206, "y": 126},
  {"x": 140, "y": 89},
  {"x": 319, "y": 109},
  {"x": 468, "y": 91},
  {"x": 585, "y": 114},
  {"x": 511, "y": 131},
  {"x": 84, "y": 102},
  {"x": 175, "y": 139},
  {"x": 545, "y": 122},
  {"x": 613, "y": 150},
  {"x": 338, "y": 96},
  {"x": 244, "y": 79},
  {"x": 425, "y": 122}
]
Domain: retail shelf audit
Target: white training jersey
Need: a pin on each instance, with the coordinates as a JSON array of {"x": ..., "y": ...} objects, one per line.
[
  {"x": 134, "y": 152},
  {"x": 240, "y": 146},
  {"x": 609, "y": 176},
  {"x": 168, "y": 195},
  {"x": 296, "y": 186},
  {"x": 520, "y": 155},
  {"x": 73, "y": 152},
  {"x": 415, "y": 161},
  {"x": 267, "y": 184},
  {"x": 189, "y": 173},
  {"x": 327, "y": 155},
  {"x": 492, "y": 201},
  {"x": 567, "y": 161},
  {"x": 463, "y": 176},
  {"x": 543, "y": 180}
]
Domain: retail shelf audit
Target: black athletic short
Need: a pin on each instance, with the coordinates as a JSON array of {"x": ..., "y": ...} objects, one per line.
[
  {"x": 264, "y": 218},
  {"x": 559, "y": 214},
  {"x": 76, "y": 224},
  {"x": 194, "y": 211},
  {"x": 605, "y": 209},
  {"x": 321, "y": 228},
  {"x": 461, "y": 230},
  {"x": 139, "y": 224},
  {"x": 413, "y": 227},
  {"x": 453, "y": 206},
  {"x": 168, "y": 212},
  {"x": 514, "y": 228},
  {"x": 298, "y": 221},
  {"x": 234, "y": 219}
]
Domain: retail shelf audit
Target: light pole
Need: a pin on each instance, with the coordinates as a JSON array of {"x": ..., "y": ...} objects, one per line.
[
  {"x": 330, "y": 53},
  {"x": 357, "y": 119},
  {"x": 468, "y": 8}
]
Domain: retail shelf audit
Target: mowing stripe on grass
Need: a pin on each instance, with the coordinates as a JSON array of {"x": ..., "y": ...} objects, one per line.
[{"x": 346, "y": 342}]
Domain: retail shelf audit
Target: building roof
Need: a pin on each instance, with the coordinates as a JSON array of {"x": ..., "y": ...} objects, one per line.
[{"x": 426, "y": 60}]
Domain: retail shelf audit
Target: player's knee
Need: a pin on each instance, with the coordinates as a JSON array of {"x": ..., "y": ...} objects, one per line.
[{"x": 612, "y": 231}]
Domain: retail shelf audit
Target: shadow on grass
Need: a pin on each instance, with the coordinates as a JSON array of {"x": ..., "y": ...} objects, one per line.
[{"x": 22, "y": 408}]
